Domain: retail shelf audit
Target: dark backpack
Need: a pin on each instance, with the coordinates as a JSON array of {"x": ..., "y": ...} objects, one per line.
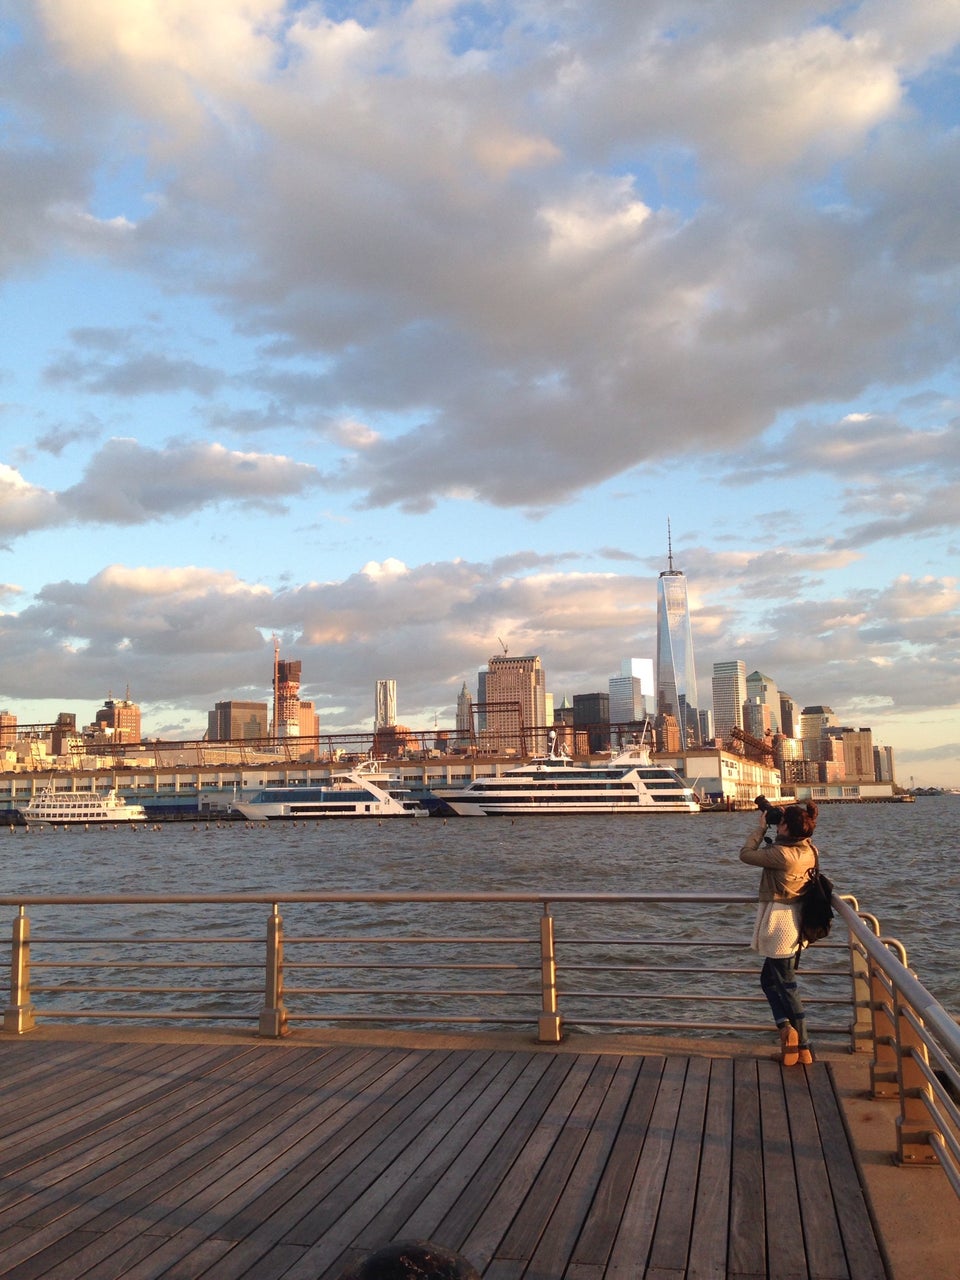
[{"x": 816, "y": 911}]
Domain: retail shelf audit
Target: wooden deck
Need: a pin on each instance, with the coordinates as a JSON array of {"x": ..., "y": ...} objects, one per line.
[{"x": 216, "y": 1161}]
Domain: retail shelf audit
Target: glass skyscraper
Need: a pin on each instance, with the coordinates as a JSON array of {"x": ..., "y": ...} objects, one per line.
[{"x": 676, "y": 677}]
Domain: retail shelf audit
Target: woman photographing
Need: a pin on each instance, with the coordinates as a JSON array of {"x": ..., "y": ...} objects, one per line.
[{"x": 786, "y": 862}]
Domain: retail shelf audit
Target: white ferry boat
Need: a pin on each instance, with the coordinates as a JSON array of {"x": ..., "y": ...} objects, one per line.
[
  {"x": 351, "y": 794},
  {"x": 80, "y": 808},
  {"x": 629, "y": 782}
]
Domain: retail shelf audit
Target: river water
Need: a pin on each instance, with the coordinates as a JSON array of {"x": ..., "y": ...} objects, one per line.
[{"x": 899, "y": 860}]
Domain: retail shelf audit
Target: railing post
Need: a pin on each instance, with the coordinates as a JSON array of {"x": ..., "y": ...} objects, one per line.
[
  {"x": 550, "y": 1026},
  {"x": 273, "y": 1015},
  {"x": 862, "y": 1027},
  {"x": 18, "y": 1016},
  {"x": 885, "y": 1078},
  {"x": 914, "y": 1122}
]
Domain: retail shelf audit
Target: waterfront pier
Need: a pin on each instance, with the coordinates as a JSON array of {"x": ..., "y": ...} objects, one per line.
[
  {"x": 226, "y": 1159},
  {"x": 140, "y": 1139}
]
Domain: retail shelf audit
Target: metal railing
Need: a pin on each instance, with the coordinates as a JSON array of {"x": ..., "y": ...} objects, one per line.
[{"x": 642, "y": 961}]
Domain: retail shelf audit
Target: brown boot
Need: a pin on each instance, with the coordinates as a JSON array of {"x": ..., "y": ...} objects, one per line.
[
  {"x": 789, "y": 1045},
  {"x": 806, "y": 1056}
]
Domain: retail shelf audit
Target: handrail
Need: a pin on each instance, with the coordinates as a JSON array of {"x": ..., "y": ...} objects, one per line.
[
  {"x": 909, "y": 1027},
  {"x": 540, "y": 968}
]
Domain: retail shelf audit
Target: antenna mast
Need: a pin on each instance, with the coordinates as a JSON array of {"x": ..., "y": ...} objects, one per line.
[{"x": 669, "y": 548}]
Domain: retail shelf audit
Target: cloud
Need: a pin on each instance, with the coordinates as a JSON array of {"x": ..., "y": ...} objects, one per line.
[
  {"x": 23, "y": 506},
  {"x": 126, "y": 483},
  {"x": 431, "y": 226}
]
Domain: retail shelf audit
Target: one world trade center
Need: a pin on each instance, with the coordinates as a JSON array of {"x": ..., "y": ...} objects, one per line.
[{"x": 676, "y": 677}]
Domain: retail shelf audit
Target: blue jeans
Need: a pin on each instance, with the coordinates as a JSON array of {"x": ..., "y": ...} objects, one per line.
[{"x": 778, "y": 978}]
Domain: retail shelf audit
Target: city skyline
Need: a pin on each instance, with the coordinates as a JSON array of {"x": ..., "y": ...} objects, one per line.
[{"x": 398, "y": 331}]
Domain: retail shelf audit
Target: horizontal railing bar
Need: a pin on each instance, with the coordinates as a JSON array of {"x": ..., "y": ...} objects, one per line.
[
  {"x": 697, "y": 997},
  {"x": 412, "y": 992},
  {"x": 75, "y": 988},
  {"x": 144, "y": 964},
  {"x": 396, "y": 940},
  {"x": 402, "y": 1018},
  {"x": 936, "y": 1141},
  {"x": 499, "y": 896},
  {"x": 116, "y": 1015},
  {"x": 119, "y": 940},
  {"x": 466, "y": 967},
  {"x": 657, "y": 1024}
]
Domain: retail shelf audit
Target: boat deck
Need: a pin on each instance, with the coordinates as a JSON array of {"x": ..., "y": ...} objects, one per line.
[{"x": 283, "y": 1160}]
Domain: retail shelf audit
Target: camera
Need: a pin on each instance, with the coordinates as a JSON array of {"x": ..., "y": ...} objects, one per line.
[{"x": 773, "y": 814}]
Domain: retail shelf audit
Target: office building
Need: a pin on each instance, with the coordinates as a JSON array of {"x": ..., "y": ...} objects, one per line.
[
  {"x": 513, "y": 697},
  {"x": 8, "y": 728},
  {"x": 762, "y": 689},
  {"x": 676, "y": 676},
  {"x": 857, "y": 752},
  {"x": 883, "y": 764},
  {"x": 119, "y": 719},
  {"x": 309, "y": 720},
  {"x": 591, "y": 712},
  {"x": 757, "y": 718},
  {"x": 233, "y": 721},
  {"x": 814, "y": 721},
  {"x": 705, "y": 716},
  {"x": 386, "y": 704},
  {"x": 465, "y": 729},
  {"x": 789, "y": 716},
  {"x": 628, "y": 692},
  {"x": 729, "y": 687}
]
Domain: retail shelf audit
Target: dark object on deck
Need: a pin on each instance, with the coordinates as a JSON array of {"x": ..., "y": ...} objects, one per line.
[{"x": 412, "y": 1260}]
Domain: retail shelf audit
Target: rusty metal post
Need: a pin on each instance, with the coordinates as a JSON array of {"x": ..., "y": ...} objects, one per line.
[
  {"x": 18, "y": 1015},
  {"x": 550, "y": 1025},
  {"x": 273, "y": 1015}
]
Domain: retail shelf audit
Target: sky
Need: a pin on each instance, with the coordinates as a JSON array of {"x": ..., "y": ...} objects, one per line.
[{"x": 401, "y": 330}]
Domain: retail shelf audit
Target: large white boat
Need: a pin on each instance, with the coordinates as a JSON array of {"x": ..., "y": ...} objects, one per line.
[
  {"x": 80, "y": 808},
  {"x": 629, "y": 782},
  {"x": 354, "y": 793}
]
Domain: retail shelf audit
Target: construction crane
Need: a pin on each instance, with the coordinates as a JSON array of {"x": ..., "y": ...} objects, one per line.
[{"x": 502, "y": 644}]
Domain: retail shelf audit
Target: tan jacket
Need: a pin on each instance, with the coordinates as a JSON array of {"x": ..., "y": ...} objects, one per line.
[{"x": 785, "y": 865}]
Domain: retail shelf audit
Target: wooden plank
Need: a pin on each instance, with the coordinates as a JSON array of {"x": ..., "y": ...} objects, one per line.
[
  {"x": 708, "y": 1243},
  {"x": 824, "y": 1245},
  {"x": 379, "y": 1187},
  {"x": 632, "y": 1245},
  {"x": 671, "y": 1239},
  {"x": 424, "y": 1222},
  {"x": 64, "y": 1153},
  {"x": 547, "y": 1188},
  {"x": 492, "y": 1224},
  {"x": 456, "y": 1225},
  {"x": 853, "y": 1217},
  {"x": 596, "y": 1239},
  {"x": 442, "y": 1165},
  {"x": 105, "y": 1201},
  {"x": 120, "y": 1155},
  {"x": 171, "y": 1203},
  {"x": 324, "y": 1152},
  {"x": 747, "y": 1252},
  {"x": 561, "y": 1232},
  {"x": 786, "y": 1259}
]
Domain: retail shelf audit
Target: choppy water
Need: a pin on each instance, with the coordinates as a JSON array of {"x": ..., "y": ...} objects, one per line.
[{"x": 900, "y": 860}]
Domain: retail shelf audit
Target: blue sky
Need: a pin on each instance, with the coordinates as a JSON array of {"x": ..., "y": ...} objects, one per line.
[{"x": 397, "y": 328}]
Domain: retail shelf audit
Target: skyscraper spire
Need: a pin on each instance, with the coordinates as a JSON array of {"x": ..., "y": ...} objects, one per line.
[{"x": 669, "y": 548}]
